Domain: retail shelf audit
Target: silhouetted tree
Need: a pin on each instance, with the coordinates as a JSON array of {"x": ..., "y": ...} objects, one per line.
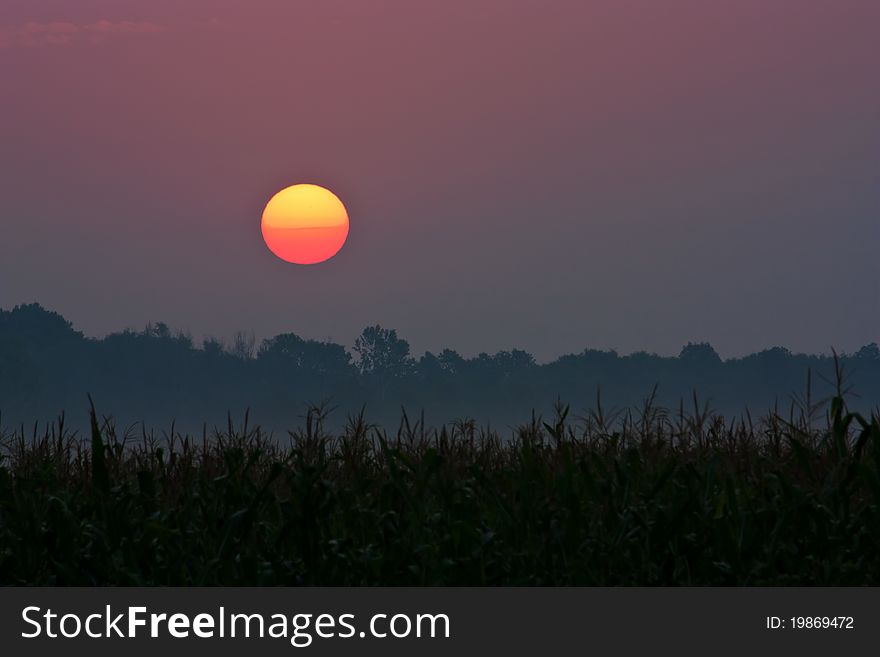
[
  {"x": 450, "y": 361},
  {"x": 243, "y": 345},
  {"x": 213, "y": 347},
  {"x": 158, "y": 330},
  {"x": 381, "y": 352},
  {"x": 699, "y": 354},
  {"x": 291, "y": 351}
]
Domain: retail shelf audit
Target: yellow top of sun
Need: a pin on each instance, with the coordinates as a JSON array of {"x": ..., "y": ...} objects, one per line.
[{"x": 304, "y": 206}]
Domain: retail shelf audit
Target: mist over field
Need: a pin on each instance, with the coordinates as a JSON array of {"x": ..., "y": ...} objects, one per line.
[{"x": 156, "y": 376}]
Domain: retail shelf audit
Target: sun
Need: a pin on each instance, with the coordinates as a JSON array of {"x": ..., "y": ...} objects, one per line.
[{"x": 305, "y": 224}]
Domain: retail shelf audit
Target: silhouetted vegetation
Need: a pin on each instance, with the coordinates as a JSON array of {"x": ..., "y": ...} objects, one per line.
[
  {"x": 648, "y": 498},
  {"x": 156, "y": 376},
  {"x": 664, "y": 491}
]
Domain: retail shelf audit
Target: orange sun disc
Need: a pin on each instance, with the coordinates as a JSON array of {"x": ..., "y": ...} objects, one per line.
[{"x": 305, "y": 224}]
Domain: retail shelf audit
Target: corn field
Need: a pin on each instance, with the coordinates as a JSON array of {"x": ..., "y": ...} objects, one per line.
[{"x": 647, "y": 497}]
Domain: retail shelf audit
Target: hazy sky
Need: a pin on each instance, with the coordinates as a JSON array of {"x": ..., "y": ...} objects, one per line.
[{"x": 625, "y": 174}]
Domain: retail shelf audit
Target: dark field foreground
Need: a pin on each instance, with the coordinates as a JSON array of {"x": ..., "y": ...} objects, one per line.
[{"x": 652, "y": 498}]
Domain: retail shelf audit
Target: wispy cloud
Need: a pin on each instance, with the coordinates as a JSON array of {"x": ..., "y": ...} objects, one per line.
[{"x": 36, "y": 35}]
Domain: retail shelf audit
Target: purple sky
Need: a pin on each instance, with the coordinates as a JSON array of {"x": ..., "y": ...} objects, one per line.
[{"x": 621, "y": 174}]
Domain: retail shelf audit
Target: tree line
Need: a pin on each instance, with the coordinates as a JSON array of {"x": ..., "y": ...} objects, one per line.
[{"x": 156, "y": 375}]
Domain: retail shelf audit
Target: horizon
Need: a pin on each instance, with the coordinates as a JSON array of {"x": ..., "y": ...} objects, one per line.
[
  {"x": 154, "y": 376},
  {"x": 198, "y": 342}
]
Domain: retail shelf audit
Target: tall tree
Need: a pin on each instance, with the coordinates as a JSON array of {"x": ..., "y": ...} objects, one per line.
[{"x": 381, "y": 353}]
